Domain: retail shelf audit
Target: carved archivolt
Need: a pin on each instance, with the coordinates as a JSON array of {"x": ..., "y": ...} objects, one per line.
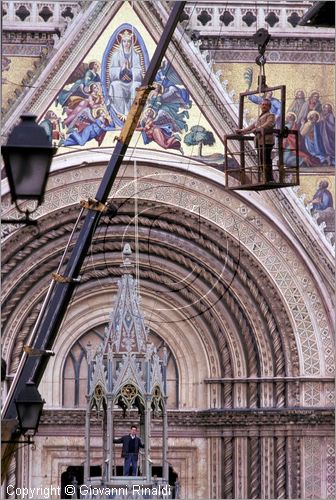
[
  {"x": 218, "y": 293},
  {"x": 191, "y": 227}
]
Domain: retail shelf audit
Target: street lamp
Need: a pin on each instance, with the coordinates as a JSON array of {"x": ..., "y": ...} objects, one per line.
[
  {"x": 29, "y": 405},
  {"x": 27, "y": 158}
]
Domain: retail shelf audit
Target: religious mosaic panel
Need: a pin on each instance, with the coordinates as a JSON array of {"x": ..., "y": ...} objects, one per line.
[
  {"x": 310, "y": 101},
  {"x": 91, "y": 107}
]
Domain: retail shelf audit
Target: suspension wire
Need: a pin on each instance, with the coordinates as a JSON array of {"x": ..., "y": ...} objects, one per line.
[
  {"x": 84, "y": 266},
  {"x": 187, "y": 169},
  {"x": 136, "y": 215},
  {"x": 259, "y": 88},
  {"x": 82, "y": 272},
  {"x": 136, "y": 231},
  {"x": 138, "y": 138},
  {"x": 97, "y": 229},
  {"x": 166, "y": 70}
]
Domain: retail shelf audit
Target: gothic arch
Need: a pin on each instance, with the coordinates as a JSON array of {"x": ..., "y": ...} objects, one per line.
[
  {"x": 74, "y": 372},
  {"x": 89, "y": 312}
]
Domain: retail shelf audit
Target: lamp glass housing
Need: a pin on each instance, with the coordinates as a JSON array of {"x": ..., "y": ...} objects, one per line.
[
  {"x": 27, "y": 158},
  {"x": 29, "y": 406}
]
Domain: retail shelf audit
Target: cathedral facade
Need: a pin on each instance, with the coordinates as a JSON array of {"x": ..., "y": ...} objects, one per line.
[{"x": 236, "y": 287}]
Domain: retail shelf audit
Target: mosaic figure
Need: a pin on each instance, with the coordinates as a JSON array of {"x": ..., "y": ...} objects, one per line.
[
  {"x": 125, "y": 61},
  {"x": 81, "y": 78},
  {"x": 94, "y": 130}
]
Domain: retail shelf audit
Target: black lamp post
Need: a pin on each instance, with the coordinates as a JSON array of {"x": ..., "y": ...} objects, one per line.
[
  {"x": 27, "y": 158},
  {"x": 29, "y": 405}
]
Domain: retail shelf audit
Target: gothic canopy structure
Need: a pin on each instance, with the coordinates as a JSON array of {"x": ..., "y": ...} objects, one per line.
[{"x": 236, "y": 287}]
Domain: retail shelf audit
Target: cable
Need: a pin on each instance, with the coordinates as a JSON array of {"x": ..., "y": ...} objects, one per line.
[
  {"x": 136, "y": 232},
  {"x": 165, "y": 74},
  {"x": 188, "y": 164},
  {"x": 6, "y": 81},
  {"x": 135, "y": 196},
  {"x": 136, "y": 227}
]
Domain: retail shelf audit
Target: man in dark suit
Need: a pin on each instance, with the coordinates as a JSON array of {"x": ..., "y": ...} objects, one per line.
[{"x": 130, "y": 450}]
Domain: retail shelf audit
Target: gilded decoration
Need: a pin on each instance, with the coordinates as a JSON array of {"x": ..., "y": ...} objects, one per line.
[{"x": 95, "y": 99}]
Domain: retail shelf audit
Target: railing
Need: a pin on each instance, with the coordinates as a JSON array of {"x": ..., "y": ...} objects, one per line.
[
  {"x": 44, "y": 16},
  {"x": 254, "y": 176},
  {"x": 286, "y": 392},
  {"x": 208, "y": 17}
]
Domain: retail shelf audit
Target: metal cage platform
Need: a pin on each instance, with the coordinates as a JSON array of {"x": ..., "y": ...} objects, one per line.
[
  {"x": 250, "y": 175},
  {"x": 245, "y": 166}
]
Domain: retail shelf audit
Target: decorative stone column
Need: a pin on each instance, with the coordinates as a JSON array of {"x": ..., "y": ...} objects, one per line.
[
  {"x": 280, "y": 467},
  {"x": 267, "y": 467},
  {"x": 227, "y": 462},
  {"x": 87, "y": 443},
  {"x": 254, "y": 466},
  {"x": 148, "y": 468},
  {"x": 109, "y": 440},
  {"x": 165, "y": 442}
]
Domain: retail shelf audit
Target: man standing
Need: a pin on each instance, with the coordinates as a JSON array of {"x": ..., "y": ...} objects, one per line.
[
  {"x": 264, "y": 140},
  {"x": 130, "y": 450}
]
